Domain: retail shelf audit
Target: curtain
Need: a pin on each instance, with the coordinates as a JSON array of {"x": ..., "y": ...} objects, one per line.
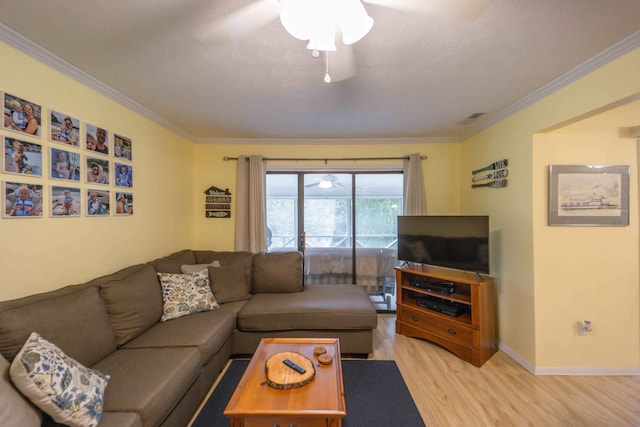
[
  {"x": 251, "y": 212},
  {"x": 414, "y": 196}
]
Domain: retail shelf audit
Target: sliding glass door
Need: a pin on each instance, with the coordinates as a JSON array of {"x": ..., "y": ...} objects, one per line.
[{"x": 345, "y": 223}]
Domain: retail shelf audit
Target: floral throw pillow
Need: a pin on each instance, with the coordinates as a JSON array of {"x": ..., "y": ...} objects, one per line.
[
  {"x": 69, "y": 392},
  {"x": 184, "y": 294}
]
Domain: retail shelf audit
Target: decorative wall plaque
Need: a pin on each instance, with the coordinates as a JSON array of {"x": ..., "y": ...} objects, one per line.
[{"x": 217, "y": 203}]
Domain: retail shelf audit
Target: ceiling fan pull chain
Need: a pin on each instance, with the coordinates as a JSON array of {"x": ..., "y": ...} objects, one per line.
[{"x": 327, "y": 77}]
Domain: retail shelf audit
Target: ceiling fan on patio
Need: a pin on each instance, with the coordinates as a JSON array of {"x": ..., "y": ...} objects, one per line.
[
  {"x": 321, "y": 22},
  {"x": 328, "y": 181}
]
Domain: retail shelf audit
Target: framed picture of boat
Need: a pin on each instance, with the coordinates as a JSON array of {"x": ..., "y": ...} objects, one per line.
[{"x": 589, "y": 195}]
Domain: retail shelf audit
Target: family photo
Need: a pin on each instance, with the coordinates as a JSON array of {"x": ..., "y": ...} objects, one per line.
[
  {"x": 97, "y": 171},
  {"x": 97, "y": 202},
  {"x": 64, "y": 128},
  {"x": 65, "y": 201},
  {"x": 22, "y": 200},
  {"x": 21, "y": 115},
  {"x": 124, "y": 203},
  {"x": 121, "y": 147},
  {"x": 22, "y": 157},
  {"x": 65, "y": 165},
  {"x": 123, "y": 175},
  {"x": 97, "y": 139}
]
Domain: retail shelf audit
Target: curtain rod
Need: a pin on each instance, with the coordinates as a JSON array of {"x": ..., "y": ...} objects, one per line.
[{"x": 326, "y": 159}]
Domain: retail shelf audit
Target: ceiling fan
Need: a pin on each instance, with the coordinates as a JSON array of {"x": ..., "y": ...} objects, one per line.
[
  {"x": 257, "y": 14},
  {"x": 328, "y": 181}
]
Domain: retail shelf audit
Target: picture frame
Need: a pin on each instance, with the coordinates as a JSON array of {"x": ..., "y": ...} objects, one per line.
[
  {"x": 22, "y": 200},
  {"x": 97, "y": 171},
  {"x": 589, "y": 195},
  {"x": 65, "y": 164},
  {"x": 22, "y": 157},
  {"x": 96, "y": 139},
  {"x": 122, "y": 147},
  {"x": 123, "y": 203},
  {"x": 98, "y": 202},
  {"x": 21, "y": 115},
  {"x": 123, "y": 175},
  {"x": 64, "y": 128},
  {"x": 65, "y": 202}
]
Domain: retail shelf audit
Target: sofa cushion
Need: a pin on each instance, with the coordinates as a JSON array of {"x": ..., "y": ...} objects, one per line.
[
  {"x": 226, "y": 258},
  {"x": 194, "y": 268},
  {"x": 15, "y": 410},
  {"x": 208, "y": 331},
  {"x": 75, "y": 318},
  {"x": 323, "y": 307},
  {"x": 184, "y": 294},
  {"x": 149, "y": 381},
  {"x": 277, "y": 272},
  {"x": 172, "y": 263},
  {"x": 69, "y": 392},
  {"x": 120, "y": 419},
  {"x": 133, "y": 297},
  {"x": 230, "y": 282}
]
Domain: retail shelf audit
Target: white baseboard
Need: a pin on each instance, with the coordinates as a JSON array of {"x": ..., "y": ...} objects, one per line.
[
  {"x": 587, "y": 371},
  {"x": 515, "y": 356},
  {"x": 582, "y": 371}
]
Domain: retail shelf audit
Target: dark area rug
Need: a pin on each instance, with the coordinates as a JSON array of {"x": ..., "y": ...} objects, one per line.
[{"x": 375, "y": 395}]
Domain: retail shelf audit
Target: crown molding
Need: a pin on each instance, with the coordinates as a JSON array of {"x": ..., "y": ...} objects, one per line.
[
  {"x": 622, "y": 47},
  {"x": 319, "y": 141},
  {"x": 39, "y": 53}
]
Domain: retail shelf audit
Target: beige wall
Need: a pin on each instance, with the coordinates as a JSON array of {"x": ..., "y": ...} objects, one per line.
[
  {"x": 532, "y": 327},
  {"x": 171, "y": 174},
  {"x": 600, "y": 264},
  {"x": 441, "y": 175},
  {"x": 510, "y": 221},
  {"x": 46, "y": 253}
]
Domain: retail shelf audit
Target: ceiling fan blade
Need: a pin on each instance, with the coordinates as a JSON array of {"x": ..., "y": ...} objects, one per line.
[
  {"x": 241, "y": 22},
  {"x": 464, "y": 10},
  {"x": 312, "y": 185},
  {"x": 342, "y": 63}
]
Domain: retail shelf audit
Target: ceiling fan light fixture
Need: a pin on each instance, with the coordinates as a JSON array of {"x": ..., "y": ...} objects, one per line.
[
  {"x": 325, "y": 183},
  {"x": 322, "y": 40},
  {"x": 355, "y": 23},
  {"x": 319, "y": 20}
]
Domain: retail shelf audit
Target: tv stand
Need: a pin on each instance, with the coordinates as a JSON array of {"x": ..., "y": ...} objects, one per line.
[{"x": 471, "y": 335}]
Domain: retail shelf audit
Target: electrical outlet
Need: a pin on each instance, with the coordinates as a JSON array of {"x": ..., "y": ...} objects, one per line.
[{"x": 584, "y": 327}]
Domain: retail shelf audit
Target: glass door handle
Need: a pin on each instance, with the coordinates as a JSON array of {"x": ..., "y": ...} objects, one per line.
[{"x": 303, "y": 241}]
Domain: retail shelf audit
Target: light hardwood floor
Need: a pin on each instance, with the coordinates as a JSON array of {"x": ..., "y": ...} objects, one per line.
[{"x": 449, "y": 392}]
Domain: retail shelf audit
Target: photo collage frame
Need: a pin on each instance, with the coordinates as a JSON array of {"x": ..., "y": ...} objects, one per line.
[{"x": 89, "y": 167}]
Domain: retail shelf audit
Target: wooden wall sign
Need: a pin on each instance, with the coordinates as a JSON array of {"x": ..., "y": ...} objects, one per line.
[
  {"x": 217, "y": 203},
  {"x": 493, "y": 175}
]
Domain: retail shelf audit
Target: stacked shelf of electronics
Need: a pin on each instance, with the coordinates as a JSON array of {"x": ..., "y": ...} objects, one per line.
[
  {"x": 439, "y": 296},
  {"x": 492, "y": 176}
]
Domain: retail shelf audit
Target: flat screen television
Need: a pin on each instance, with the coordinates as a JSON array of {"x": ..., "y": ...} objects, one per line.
[{"x": 459, "y": 242}]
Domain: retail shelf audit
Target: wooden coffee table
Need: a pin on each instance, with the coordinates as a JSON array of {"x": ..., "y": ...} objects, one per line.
[{"x": 319, "y": 403}]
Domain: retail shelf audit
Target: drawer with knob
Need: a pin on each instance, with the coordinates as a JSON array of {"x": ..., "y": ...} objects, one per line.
[{"x": 422, "y": 319}]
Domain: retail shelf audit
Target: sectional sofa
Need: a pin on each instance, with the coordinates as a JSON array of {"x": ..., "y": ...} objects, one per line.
[{"x": 159, "y": 365}]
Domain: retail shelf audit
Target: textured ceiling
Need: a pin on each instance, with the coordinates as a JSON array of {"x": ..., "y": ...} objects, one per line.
[{"x": 417, "y": 75}]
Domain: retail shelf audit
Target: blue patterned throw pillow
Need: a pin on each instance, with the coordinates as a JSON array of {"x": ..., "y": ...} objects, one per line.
[
  {"x": 184, "y": 294},
  {"x": 69, "y": 392}
]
